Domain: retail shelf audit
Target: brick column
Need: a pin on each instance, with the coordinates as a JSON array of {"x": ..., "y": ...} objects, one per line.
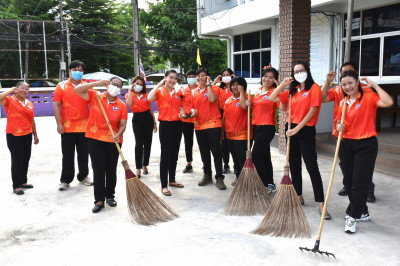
[{"x": 294, "y": 34}]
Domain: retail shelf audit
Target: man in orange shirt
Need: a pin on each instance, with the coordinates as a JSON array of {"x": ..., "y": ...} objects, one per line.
[{"x": 72, "y": 113}]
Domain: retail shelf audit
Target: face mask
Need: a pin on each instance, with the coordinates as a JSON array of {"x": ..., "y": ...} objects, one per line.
[
  {"x": 137, "y": 88},
  {"x": 76, "y": 75},
  {"x": 226, "y": 79},
  {"x": 113, "y": 90},
  {"x": 300, "y": 77},
  {"x": 191, "y": 81}
]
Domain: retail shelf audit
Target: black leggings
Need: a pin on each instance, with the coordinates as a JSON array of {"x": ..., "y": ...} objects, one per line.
[
  {"x": 142, "y": 124},
  {"x": 261, "y": 153},
  {"x": 188, "y": 131},
  {"x": 20, "y": 148},
  {"x": 238, "y": 150},
  {"x": 224, "y": 145}
]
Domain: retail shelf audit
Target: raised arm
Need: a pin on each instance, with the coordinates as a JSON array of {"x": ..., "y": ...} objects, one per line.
[
  {"x": 329, "y": 78},
  {"x": 274, "y": 96},
  {"x": 3, "y": 95},
  {"x": 385, "y": 99},
  {"x": 82, "y": 90},
  {"x": 152, "y": 94},
  {"x": 243, "y": 98},
  {"x": 212, "y": 97},
  {"x": 129, "y": 100}
]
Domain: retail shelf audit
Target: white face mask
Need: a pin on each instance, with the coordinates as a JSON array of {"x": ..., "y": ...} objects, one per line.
[
  {"x": 300, "y": 77},
  {"x": 113, "y": 90},
  {"x": 191, "y": 81},
  {"x": 137, "y": 88},
  {"x": 226, "y": 79}
]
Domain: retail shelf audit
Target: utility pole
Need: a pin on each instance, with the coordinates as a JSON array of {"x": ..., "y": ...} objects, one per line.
[
  {"x": 28, "y": 29},
  {"x": 62, "y": 63},
  {"x": 136, "y": 51},
  {"x": 348, "y": 30}
]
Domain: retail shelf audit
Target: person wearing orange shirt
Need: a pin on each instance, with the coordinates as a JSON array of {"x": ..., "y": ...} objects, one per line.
[
  {"x": 234, "y": 123},
  {"x": 264, "y": 112},
  {"x": 224, "y": 80},
  {"x": 359, "y": 147},
  {"x": 335, "y": 94},
  {"x": 306, "y": 104},
  {"x": 143, "y": 123},
  {"x": 71, "y": 113},
  {"x": 207, "y": 125},
  {"x": 170, "y": 112},
  {"x": 101, "y": 144},
  {"x": 20, "y": 127}
]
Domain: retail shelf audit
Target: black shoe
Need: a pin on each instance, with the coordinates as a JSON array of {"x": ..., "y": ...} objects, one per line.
[
  {"x": 343, "y": 192},
  {"x": 205, "y": 180},
  {"x": 371, "y": 197},
  {"x": 188, "y": 169},
  {"x": 220, "y": 184},
  {"x": 111, "y": 202},
  {"x": 97, "y": 208},
  {"x": 226, "y": 170},
  {"x": 19, "y": 192},
  {"x": 27, "y": 186}
]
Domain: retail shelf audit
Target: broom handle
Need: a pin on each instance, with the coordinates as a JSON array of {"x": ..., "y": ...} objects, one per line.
[
  {"x": 328, "y": 193},
  {"x": 288, "y": 139},
  {"x": 109, "y": 126},
  {"x": 248, "y": 128}
]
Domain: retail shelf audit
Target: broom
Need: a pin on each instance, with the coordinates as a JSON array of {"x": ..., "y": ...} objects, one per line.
[
  {"x": 285, "y": 216},
  {"x": 249, "y": 197},
  {"x": 145, "y": 207}
]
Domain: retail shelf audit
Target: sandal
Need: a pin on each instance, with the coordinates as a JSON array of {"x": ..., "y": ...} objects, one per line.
[
  {"x": 27, "y": 186},
  {"x": 166, "y": 193},
  {"x": 175, "y": 184}
]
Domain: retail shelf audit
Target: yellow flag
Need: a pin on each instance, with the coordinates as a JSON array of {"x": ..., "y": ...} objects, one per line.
[{"x": 198, "y": 57}]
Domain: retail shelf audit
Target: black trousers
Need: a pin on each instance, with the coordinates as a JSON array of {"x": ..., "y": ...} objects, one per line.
[
  {"x": 358, "y": 163},
  {"x": 104, "y": 157},
  {"x": 170, "y": 133},
  {"x": 188, "y": 131},
  {"x": 142, "y": 124},
  {"x": 238, "y": 150},
  {"x": 209, "y": 142},
  {"x": 68, "y": 143},
  {"x": 261, "y": 153},
  {"x": 224, "y": 145},
  {"x": 303, "y": 145},
  {"x": 20, "y": 148},
  {"x": 371, "y": 187}
]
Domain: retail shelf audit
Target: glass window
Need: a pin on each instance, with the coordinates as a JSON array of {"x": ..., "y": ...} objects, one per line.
[
  {"x": 251, "y": 41},
  {"x": 246, "y": 65},
  {"x": 370, "y": 57},
  {"x": 238, "y": 65},
  {"x": 391, "y": 56},
  {"x": 265, "y": 59},
  {"x": 355, "y": 26},
  {"x": 266, "y": 39},
  {"x": 237, "y": 43},
  {"x": 382, "y": 19},
  {"x": 255, "y": 65}
]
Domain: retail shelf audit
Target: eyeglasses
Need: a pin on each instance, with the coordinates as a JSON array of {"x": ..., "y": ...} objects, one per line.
[
  {"x": 300, "y": 71},
  {"x": 23, "y": 88}
]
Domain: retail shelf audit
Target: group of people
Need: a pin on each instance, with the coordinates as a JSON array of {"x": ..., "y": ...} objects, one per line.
[{"x": 218, "y": 114}]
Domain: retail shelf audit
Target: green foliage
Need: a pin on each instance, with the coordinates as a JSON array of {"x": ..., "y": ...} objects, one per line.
[{"x": 32, "y": 9}]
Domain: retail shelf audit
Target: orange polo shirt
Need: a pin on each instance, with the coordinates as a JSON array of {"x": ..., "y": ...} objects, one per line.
[
  {"x": 74, "y": 109},
  {"x": 209, "y": 115},
  {"x": 187, "y": 96},
  {"x": 224, "y": 94},
  {"x": 264, "y": 110},
  {"x": 97, "y": 127},
  {"x": 139, "y": 104},
  {"x": 168, "y": 104},
  {"x": 360, "y": 116},
  {"x": 235, "y": 119},
  {"x": 336, "y": 94},
  {"x": 19, "y": 116},
  {"x": 302, "y": 102}
]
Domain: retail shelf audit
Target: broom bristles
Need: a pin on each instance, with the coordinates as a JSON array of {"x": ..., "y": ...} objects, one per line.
[
  {"x": 145, "y": 207},
  {"x": 285, "y": 217},
  {"x": 249, "y": 197}
]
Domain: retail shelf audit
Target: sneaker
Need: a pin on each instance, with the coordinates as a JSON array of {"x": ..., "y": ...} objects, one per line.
[
  {"x": 364, "y": 217},
  {"x": 234, "y": 182},
  {"x": 351, "y": 225},
  {"x": 206, "y": 180},
  {"x": 87, "y": 181},
  {"x": 271, "y": 188},
  {"x": 188, "y": 169},
  {"x": 226, "y": 170},
  {"x": 63, "y": 186},
  {"x": 343, "y": 192},
  {"x": 220, "y": 184},
  {"x": 371, "y": 197}
]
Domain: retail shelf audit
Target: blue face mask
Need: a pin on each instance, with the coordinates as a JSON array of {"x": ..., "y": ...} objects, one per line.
[
  {"x": 191, "y": 81},
  {"x": 76, "y": 75}
]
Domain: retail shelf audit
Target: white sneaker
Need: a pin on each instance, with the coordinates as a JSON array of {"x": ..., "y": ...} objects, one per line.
[
  {"x": 271, "y": 188},
  {"x": 63, "y": 186},
  {"x": 364, "y": 217},
  {"x": 351, "y": 225},
  {"x": 87, "y": 181}
]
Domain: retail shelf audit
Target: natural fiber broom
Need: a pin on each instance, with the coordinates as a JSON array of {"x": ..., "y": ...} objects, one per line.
[
  {"x": 285, "y": 216},
  {"x": 249, "y": 197},
  {"x": 145, "y": 207}
]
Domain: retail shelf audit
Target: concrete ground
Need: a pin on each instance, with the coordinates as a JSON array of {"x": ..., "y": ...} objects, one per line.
[{"x": 49, "y": 227}]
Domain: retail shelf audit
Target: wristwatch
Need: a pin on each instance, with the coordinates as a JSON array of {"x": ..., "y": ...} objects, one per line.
[{"x": 209, "y": 84}]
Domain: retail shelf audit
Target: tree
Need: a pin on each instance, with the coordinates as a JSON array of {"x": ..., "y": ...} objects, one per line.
[{"x": 172, "y": 24}]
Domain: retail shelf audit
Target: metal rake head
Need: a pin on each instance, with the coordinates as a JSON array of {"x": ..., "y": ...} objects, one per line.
[{"x": 316, "y": 250}]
